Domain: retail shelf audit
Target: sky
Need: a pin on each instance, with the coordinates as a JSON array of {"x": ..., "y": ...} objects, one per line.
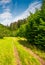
[{"x": 13, "y": 10}]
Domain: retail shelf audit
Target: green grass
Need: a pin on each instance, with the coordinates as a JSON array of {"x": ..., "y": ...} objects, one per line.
[
  {"x": 38, "y": 51},
  {"x": 7, "y": 52},
  {"x": 34, "y": 48},
  {"x": 25, "y": 57}
]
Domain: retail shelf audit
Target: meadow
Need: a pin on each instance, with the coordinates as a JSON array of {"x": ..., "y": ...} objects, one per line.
[
  {"x": 6, "y": 52},
  {"x": 12, "y": 52}
]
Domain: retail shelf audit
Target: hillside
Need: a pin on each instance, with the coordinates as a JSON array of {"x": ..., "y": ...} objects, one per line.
[{"x": 4, "y": 31}]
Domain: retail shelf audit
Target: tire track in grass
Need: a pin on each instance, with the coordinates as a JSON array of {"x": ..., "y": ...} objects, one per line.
[
  {"x": 42, "y": 62},
  {"x": 24, "y": 55},
  {"x": 18, "y": 62}
]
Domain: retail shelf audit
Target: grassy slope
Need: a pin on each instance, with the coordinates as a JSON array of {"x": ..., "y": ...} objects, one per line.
[{"x": 7, "y": 53}]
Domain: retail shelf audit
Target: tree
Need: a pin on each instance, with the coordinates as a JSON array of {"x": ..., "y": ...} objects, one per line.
[
  {"x": 43, "y": 10},
  {"x": 35, "y": 29}
]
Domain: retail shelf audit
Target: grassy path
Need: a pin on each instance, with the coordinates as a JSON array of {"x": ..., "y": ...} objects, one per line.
[
  {"x": 42, "y": 62},
  {"x": 25, "y": 57},
  {"x": 12, "y": 52},
  {"x": 18, "y": 62},
  {"x": 36, "y": 56}
]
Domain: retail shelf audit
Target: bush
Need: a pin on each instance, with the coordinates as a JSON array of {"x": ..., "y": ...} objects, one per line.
[{"x": 1, "y": 36}]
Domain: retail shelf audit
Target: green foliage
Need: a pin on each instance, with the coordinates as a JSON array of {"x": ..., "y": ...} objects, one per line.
[
  {"x": 21, "y": 31},
  {"x": 6, "y": 51},
  {"x": 16, "y": 25},
  {"x": 43, "y": 10},
  {"x": 35, "y": 29},
  {"x": 25, "y": 57},
  {"x": 5, "y": 31},
  {"x": 1, "y": 36}
]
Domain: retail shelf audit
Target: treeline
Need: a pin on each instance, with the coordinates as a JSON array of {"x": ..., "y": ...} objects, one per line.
[
  {"x": 4, "y": 31},
  {"x": 32, "y": 28},
  {"x": 16, "y": 25},
  {"x": 10, "y": 31}
]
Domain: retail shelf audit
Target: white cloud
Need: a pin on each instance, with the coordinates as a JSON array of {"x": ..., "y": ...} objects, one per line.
[
  {"x": 3, "y": 5},
  {"x": 4, "y": 1},
  {"x": 7, "y": 10},
  {"x": 6, "y": 17},
  {"x": 6, "y": 22},
  {"x": 32, "y": 7}
]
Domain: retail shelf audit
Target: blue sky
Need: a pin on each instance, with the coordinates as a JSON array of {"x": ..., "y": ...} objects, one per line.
[{"x": 13, "y": 10}]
